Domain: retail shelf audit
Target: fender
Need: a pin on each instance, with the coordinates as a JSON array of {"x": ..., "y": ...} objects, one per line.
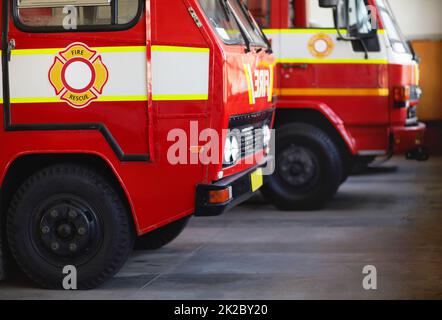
[{"x": 328, "y": 113}]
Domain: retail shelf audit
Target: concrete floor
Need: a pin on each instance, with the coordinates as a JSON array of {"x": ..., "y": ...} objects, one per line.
[{"x": 391, "y": 219}]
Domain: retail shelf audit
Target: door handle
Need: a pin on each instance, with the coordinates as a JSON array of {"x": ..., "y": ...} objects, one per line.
[
  {"x": 11, "y": 46},
  {"x": 294, "y": 66}
]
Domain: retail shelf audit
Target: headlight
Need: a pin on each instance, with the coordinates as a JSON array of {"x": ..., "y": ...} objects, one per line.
[
  {"x": 231, "y": 149},
  {"x": 266, "y": 135}
]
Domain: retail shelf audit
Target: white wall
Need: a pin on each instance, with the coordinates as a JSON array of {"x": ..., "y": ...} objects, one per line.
[{"x": 419, "y": 19}]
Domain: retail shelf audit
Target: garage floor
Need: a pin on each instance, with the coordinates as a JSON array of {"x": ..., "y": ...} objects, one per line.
[{"x": 390, "y": 218}]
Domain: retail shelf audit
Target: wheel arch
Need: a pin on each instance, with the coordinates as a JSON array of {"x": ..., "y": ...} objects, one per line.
[{"x": 321, "y": 116}]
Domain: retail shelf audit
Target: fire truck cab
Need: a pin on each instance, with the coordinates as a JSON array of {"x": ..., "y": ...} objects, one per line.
[
  {"x": 347, "y": 92},
  {"x": 109, "y": 112}
]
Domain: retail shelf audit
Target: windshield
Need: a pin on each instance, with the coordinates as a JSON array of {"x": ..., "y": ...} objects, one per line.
[
  {"x": 223, "y": 21},
  {"x": 397, "y": 39},
  {"x": 232, "y": 22}
]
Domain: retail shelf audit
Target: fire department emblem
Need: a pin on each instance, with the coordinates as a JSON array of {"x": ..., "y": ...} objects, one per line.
[
  {"x": 78, "y": 75},
  {"x": 321, "y": 45}
]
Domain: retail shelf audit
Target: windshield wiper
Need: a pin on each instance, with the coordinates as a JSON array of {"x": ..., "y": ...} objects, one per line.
[
  {"x": 255, "y": 26},
  {"x": 228, "y": 12}
]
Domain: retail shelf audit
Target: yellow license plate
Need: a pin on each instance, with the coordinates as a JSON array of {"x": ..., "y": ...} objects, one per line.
[{"x": 257, "y": 180}]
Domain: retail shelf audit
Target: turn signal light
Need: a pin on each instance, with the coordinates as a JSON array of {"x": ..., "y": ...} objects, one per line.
[
  {"x": 402, "y": 96},
  {"x": 220, "y": 196}
]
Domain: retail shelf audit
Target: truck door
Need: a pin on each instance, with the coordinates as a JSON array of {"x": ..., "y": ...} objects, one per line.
[{"x": 82, "y": 66}]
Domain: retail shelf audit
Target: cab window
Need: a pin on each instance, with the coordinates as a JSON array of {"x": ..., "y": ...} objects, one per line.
[
  {"x": 222, "y": 20},
  {"x": 359, "y": 17},
  {"x": 397, "y": 39},
  {"x": 70, "y": 15}
]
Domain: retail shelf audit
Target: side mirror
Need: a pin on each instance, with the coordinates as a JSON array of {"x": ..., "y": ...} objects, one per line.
[{"x": 328, "y": 3}]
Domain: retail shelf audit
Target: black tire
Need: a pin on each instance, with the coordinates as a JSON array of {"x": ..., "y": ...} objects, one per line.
[
  {"x": 346, "y": 170},
  {"x": 162, "y": 236},
  {"x": 309, "y": 168},
  {"x": 69, "y": 215},
  {"x": 345, "y": 176}
]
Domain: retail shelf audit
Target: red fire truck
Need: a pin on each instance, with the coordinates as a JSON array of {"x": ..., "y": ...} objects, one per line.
[
  {"x": 95, "y": 94},
  {"x": 347, "y": 88}
]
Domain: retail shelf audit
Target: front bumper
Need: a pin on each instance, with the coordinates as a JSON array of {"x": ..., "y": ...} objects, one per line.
[
  {"x": 241, "y": 187},
  {"x": 410, "y": 141}
]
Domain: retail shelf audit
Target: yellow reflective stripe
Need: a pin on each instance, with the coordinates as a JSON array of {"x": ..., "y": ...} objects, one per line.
[
  {"x": 378, "y": 92},
  {"x": 180, "y": 97},
  {"x": 272, "y": 78},
  {"x": 331, "y": 61},
  {"x": 122, "y": 98},
  {"x": 56, "y": 99},
  {"x": 309, "y": 31},
  {"x": 21, "y": 52},
  {"x": 36, "y": 100},
  {"x": 158, "y": 97},
  {"x": 120, "y": 49},
  {"x": 113, "y": 49},
  {"x": 179, "y": 49},
  {"x": 247, "y": 71}
]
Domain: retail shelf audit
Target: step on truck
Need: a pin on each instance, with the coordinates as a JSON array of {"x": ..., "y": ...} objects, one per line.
[
  {"x": 347, "y": 92},
  {"x": 121, "y": 119}
]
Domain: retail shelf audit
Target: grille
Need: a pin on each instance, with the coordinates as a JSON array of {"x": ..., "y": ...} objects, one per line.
[
  {"x": 251, "y": 141},
  {"x": 249, "y": 127}
]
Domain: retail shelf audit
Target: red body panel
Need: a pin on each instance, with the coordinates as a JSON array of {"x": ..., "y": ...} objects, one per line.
[{"x": 157, "y": 191}]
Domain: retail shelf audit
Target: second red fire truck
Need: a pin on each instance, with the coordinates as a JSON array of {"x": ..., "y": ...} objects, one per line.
[
  {"x": 98, "y": 99},
  {"x": 347, "y": 92}
]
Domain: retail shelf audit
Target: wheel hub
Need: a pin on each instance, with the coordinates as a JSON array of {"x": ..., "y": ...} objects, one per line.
[
  {"x": 67, "y": 229},
  {"x": 64, "y": 231},
  {"x": 297, "y": 166}
]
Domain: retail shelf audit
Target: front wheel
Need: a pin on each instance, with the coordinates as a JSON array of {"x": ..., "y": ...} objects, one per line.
[
  {"x": 162, "y": 236},
  {"x": 64, "y": 216},
  {"x": 309, "y": 168}
]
